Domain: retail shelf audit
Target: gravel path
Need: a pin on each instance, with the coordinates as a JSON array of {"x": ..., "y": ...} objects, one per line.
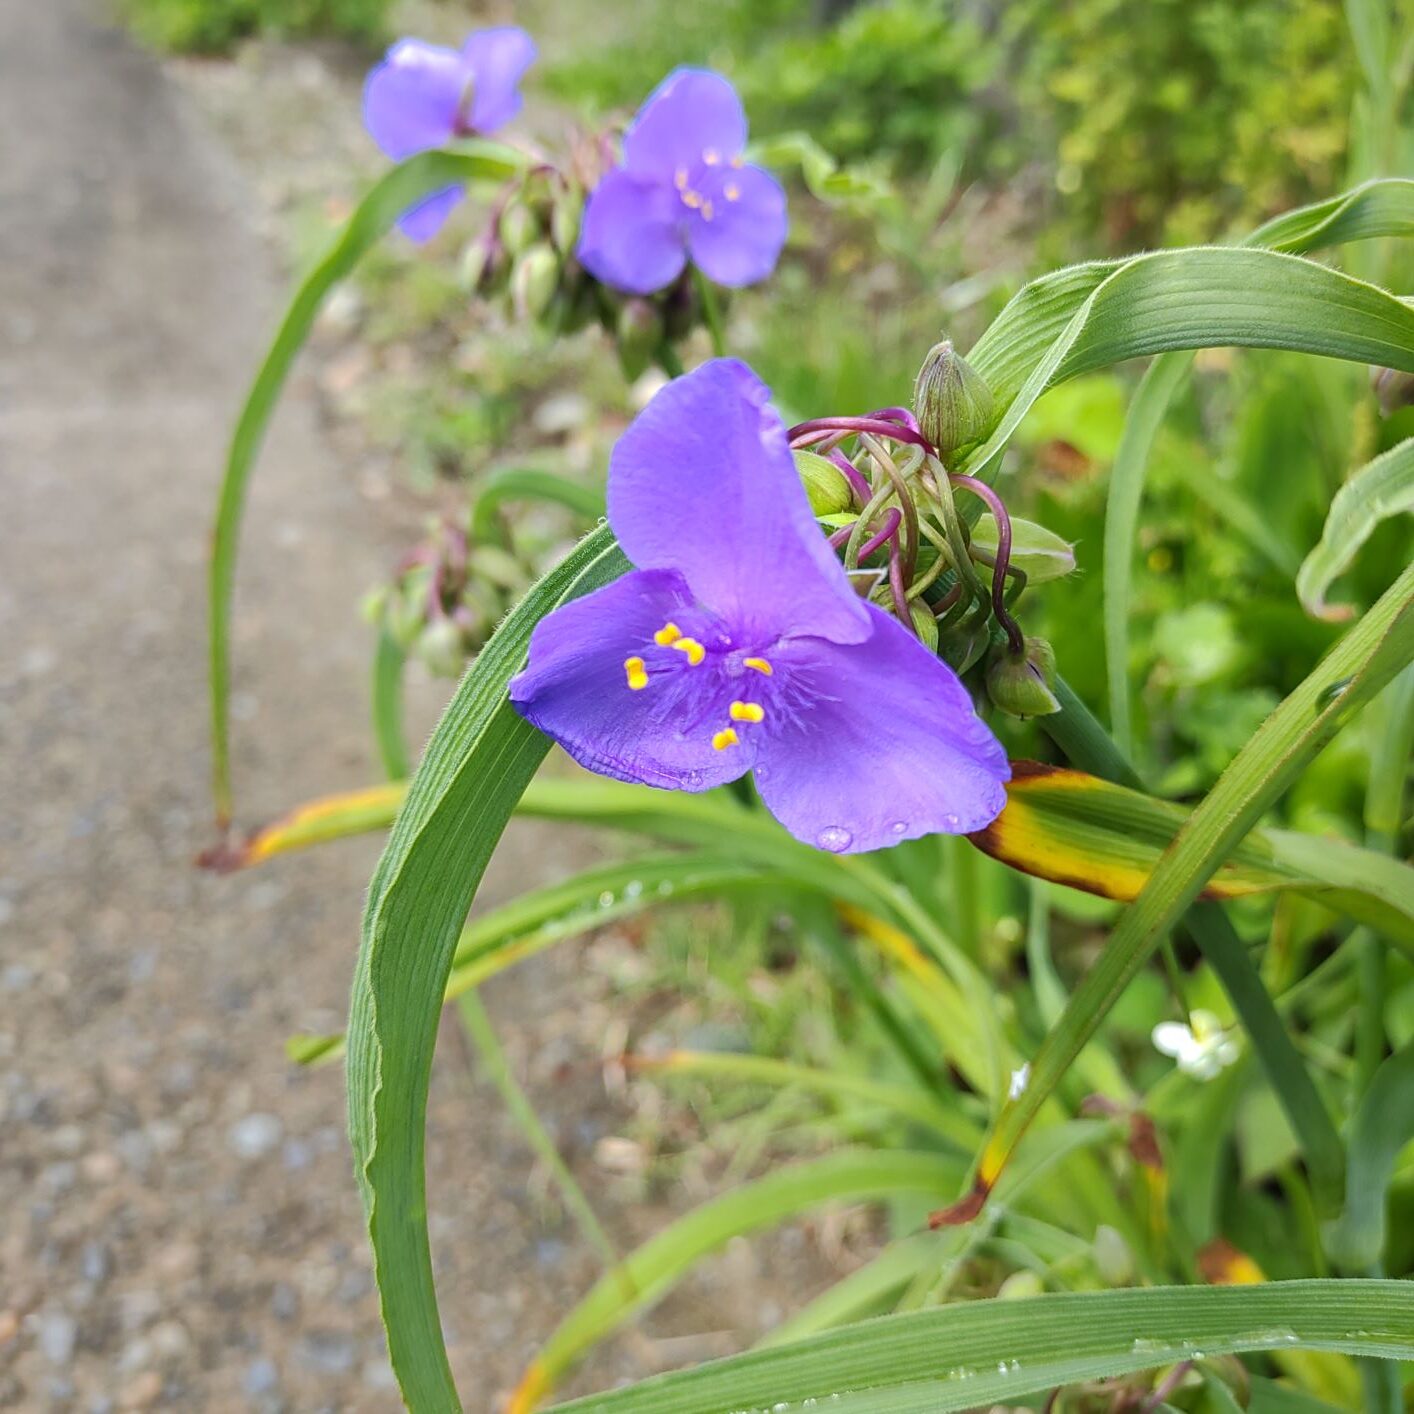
[{"x": 180, "y": 1226}]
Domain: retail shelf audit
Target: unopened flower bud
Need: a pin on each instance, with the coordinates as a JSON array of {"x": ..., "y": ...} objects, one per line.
[
  {"x": 1393, "y": 388},
  {"x": 1023, "y": 684},
  {"x": 565, "y": 218},
  {"x": 442, "y": 648},
  {"x": 534, "y": 280},
  {"x": 1020, "y": 1286},
  {"x": 476, "y": 265},
  {"x": 1113, "y": 1259},
  {"x": 924, "y": 625},
  {"x": 951, "y": 400},
  {"x": 639, "y": 333},
  {"x": 518, "y": 227},
  {"x": 1039, "y": 553},
  {"x": 825, "y": 485},
  {"x": 407, "y": 607}
]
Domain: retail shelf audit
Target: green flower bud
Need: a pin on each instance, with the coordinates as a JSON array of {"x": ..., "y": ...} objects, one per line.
[
  {"x": 825, "y": 485},
  {"x": 565, "y": 217},
  {"x": 534, "y": 280},
  {"x": 518, "y": 228},
  {"x": 1393, "y": 388},
  {"x": 924, "y": 625},
  {"x": 407, "y": 607},
  {"x": 442, "y": 648},
  {"x": 497, "y": 566},
  {"x": 1039, "y": 553},
  {"x": 639, "y": 332},
  {"x": 951, "y": 401},
  {"x": 1113, "y": 1259},
  {"x": 477, "y": 264},
  {"x": 1021, "y": 1285},
  {"x": 1022, "y": 684}
]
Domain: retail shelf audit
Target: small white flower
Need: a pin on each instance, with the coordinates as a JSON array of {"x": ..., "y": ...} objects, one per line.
[
  {"x": 1201, "y": 1047},
  {"x": 1020, "y": 1079}
]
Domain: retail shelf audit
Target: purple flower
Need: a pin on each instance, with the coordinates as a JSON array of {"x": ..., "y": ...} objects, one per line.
[
  {"x": 424, "y": 95},
  {"x": 683, "y": 191},
  {"x": 738, "y": 643}
]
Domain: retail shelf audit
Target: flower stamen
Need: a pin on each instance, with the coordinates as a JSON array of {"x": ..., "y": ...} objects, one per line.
[
  {"x": 637, "y": 675},
  {"x": 760, "y": 665},
  {"x": 746, "y": 712},
  {"x": 668, "y": 634},
  {"x": 732, "y": 192},
  {"x": 680, "y": 179},
  {"x": 711, "y": 156},
  {"x": 724, "y": 738},
  {"x": 694, "y": 650}
]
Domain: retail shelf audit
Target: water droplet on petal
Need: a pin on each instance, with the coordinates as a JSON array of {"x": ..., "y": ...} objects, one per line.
[
  {"x": 950, "y": 822},
  {"x": 899, "y": 827},
  {"x": 834, "y": 838}
]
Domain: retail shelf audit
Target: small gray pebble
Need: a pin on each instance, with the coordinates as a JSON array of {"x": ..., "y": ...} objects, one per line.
[
  {"x": 57, "y": 1336},
  {"x": 261, "y": 1377},
  {"x": 254, "y": 1136}
]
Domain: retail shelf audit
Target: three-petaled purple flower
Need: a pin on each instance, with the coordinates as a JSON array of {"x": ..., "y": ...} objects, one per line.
[
  {"x": 424, "y": 95},
  {"x": 738, "y": 643},
  {"x": 683, "y": 191}
]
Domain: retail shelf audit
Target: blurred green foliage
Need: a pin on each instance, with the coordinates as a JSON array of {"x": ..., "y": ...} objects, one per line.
[{"x": 212, "y": 26}]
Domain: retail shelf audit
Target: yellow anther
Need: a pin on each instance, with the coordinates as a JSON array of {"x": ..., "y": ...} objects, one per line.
[
  {"x": 691, "y": 200},
  {"x": 707, "y": 210},
  {"x": 637, "y": 677},
  {"x": 738, "y": 162},
  {"x": 680, "y": 178},
  {"x": 724, "y": 738},
  {"x": 732, "y": 192},
  {"x": 759, "y": 664},
  {"x": 746, "y": 712},
  {"x": 694, "y": 650},
  {"x": 711, "y": 157},
  {"x": 669, "y": 633}
]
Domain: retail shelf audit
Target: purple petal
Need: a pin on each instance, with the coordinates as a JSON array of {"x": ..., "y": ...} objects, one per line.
[
  {"x": 497, "y": 58},
  {"x": 575, "y": 687},
  {"x": 423, "y": 221},
  {"x": 885, "y": 746},
  {"x": 739, "y": 230},
  {"x": 693, "y": 116},
  {"x": 410, "y": 100},
  {"x": 630, "y": 238},
  {"x": 703, "y": 482}
]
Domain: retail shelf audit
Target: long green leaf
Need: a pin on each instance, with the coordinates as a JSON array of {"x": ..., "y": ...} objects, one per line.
[
  {"x": 478, "y": 762},
  {"x": 525, "y": 483},
  {"x": 977, "y": 1353},
  {"x": 1368, "y": 656},
  {"x": 645, "y": 1274},
  {"x": 374, "y": 216},
  {"x": 1381, "y": 488},
  {"x": 1383, "y": 1125},
  {"x": 388, "y": 663}
]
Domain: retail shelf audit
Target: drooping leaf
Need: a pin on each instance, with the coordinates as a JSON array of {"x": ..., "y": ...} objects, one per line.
[
  {"x": 479, "y": 760},
  {"x": 1381, "y": 488},
  {"x": 1076, "y": 829},
  {"x": 977, "y": 1353},
  {"x": 374, "y": 216},
  {"x": 524, "y": 483}
]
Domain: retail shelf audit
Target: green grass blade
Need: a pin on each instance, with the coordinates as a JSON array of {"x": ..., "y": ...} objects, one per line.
[
  {"x": 1381, "y": 488},
  {"x": 374, "y": 216},
  {"x": 1383, "y": 1125},
  {"x": 847, "y": 1176},
  {"x": 974, "y": 1354},
  {"x": 1354, "y": 671},
  {"x": 525, "y": 483},
  {"x": 388, "y": 663},
  {"x": 1384, "y": 207},
  {"x": 479, "y": 760}
]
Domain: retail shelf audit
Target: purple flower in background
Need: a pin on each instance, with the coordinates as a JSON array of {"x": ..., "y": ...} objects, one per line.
[
  {"x": 684, "y": 192},
  {"x": 738, "y": 643},
  {"x": 424, "y": 95}
]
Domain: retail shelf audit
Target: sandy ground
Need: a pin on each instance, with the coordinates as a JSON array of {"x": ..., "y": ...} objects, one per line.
[{"x": 180, "y": 1228}]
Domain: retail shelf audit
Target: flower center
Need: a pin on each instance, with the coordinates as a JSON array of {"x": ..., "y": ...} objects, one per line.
[{"x": 742, "y": 711}]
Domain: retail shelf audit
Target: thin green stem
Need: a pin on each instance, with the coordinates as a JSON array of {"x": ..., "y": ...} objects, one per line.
[
  {"x": 388, "y": 660},
  {"x": 666, "y": 357},
  {"x": 711, "y": 312},
  {"x": 482, "y": 1035}
]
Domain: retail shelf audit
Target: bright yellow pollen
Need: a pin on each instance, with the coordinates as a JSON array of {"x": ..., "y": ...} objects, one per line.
[
  {"x": 637, "y": 677},
  {"x": 680, "y": 178},
  {"x": 724, "y": 738},
  {"x": 732, "y": 192},
  {"x": 691, "y": 200},
  {"x": 746, "y": 712},
  {"x": 707, "y": 210},
  {"x": 694, "y": 650},
  {"x": 760, "y": 664},
  {"x": 669, "y": 633}
]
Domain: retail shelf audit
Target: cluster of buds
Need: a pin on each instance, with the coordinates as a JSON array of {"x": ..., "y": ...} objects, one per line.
[
  {"x": 446, "y": 596},
  {"x": 917, "y": 549},
  {"x": 526, "y": 259}
]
